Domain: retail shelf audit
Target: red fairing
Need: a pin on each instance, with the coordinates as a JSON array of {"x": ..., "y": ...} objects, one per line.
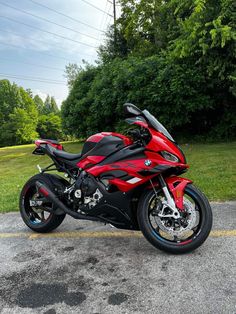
[
  {"x": 90, "y": 161},
  {"x": 95, "y": 153},
  {"x": 99, "y": 136},
  {"x": 159, "y": 160},
  {"x": 132, "y": 167},
  {"x": 55, "y": 145},
  {"x": 127, "y": 141},
  {"x": 176, "y": 186},
  {"x": 161, "y": 143}
]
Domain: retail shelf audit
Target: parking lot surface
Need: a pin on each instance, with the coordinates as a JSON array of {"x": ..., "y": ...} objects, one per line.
[{"x": 86, "y": 267}]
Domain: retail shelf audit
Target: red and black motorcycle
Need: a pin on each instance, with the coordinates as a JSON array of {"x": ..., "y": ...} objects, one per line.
[{"x": 129, "y": 182}]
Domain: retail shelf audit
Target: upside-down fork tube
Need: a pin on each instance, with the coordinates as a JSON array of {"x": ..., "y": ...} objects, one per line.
[{"x": 48, "y": 194}]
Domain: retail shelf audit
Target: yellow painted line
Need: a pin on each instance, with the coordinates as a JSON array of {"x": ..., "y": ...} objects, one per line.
[
  {"x": 99, "y": 234},
  {"x": 89, "y": 234},
  {"x": 13, "y": 235},
  {"x": 223, "y": 233}
]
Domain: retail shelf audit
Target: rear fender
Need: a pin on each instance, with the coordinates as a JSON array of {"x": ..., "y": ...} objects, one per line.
[{"x": 177, "y": 186}]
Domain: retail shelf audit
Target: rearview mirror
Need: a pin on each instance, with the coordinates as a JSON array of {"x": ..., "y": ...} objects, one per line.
[{"x": 132, "y": 109}]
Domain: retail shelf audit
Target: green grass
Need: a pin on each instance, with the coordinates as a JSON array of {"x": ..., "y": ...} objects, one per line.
[
  {"x": 212, "y": 168},
  {"x": 17, "y": 165}
]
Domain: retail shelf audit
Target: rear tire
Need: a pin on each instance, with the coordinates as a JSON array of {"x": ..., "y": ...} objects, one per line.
[
  {"x": 31, "y": 217},
  {"x": 178, "y": 247}
]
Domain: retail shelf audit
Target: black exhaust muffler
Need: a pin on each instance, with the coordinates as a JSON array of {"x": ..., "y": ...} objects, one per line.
[{"x": 47, "y": 193}]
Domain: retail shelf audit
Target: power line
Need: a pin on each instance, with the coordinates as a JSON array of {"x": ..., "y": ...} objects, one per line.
[
  {"x": 48, "y": 21},
  {"x": 33, "y": 64},
  {"x": 69, "y": 17},
  {"x": 105, "y": 17},
  {"x": 44, "y": 31},
  {"x": 33, "y": 79},
  {"x": 46, "y": 54},
  {"x": 94, "y": 6},
  {"x": 107, "y": 10},
  {"x": 44, "y": 42}
]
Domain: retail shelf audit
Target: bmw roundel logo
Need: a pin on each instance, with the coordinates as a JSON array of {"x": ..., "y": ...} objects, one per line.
[{"x": 147, "y": 162}]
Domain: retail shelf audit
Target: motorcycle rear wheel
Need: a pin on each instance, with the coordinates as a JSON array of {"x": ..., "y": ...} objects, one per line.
[
  {"x": 169, "y": 242},
  {"x": 40, "y": 221}
]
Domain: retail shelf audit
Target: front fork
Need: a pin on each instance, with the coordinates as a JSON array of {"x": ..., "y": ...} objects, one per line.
[{"x": 173, "y": 189}]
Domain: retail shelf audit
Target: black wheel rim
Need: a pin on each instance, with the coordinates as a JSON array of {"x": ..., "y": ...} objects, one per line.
[
  {"x": 169, "y": 239},
  {"x": 36, "y": 215}
]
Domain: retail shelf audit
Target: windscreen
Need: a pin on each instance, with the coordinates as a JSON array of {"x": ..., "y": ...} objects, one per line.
[{"x": 153, "y": 122}]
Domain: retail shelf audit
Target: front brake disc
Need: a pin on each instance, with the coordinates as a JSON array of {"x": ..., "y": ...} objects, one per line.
[{"x": 168, "y": 225}]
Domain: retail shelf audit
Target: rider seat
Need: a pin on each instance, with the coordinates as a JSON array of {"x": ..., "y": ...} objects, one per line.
[{"x": 65, "y": 155}]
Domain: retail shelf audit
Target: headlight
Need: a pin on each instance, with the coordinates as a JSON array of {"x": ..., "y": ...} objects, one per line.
[{"x": 168, "y": 156}]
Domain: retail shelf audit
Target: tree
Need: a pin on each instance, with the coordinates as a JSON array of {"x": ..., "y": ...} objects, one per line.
[
  {"x": 39, "y": 104},
  {"x": 49, "y": 126},
  {"x": 18, "y": 115},
  {"x": 21, "y": 128},
  {"x": 9, "y": 98},
  {"x": 19, "y": 125},
  {"x": 47, "y": 105},
  {"x": 54, "y": 107},
  {"x": 76, "y": 115},
  {"x": 29, "y": 92},
  {"x": 71, "y": 72},
  {"x": 23, "y": 118},
  {"x": 50, "y": 105}
]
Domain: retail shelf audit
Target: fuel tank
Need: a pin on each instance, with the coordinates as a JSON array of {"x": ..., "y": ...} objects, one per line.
[{"x": 99, "y": 146}]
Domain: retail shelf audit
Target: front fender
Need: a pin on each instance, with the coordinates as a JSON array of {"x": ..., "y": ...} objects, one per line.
[{"x": 176, "y": 186}]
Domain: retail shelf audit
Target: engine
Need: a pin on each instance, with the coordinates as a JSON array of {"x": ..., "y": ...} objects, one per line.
[{"x": 86, "y": 194}]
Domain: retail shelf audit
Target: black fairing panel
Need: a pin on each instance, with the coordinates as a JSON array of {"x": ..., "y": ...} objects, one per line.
[
  {"x": 88, "y": 146},
  {"x": 106, "y": 146},
  {"x": 116, "y": 207},
  {"x": 131, "y": 152}
]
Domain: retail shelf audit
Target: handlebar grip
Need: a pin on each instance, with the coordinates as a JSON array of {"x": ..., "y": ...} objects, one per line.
[{"x": 135, "y": 133}]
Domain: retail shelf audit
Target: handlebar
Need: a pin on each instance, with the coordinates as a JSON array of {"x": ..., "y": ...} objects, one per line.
[{"x": 140, "y": 135}]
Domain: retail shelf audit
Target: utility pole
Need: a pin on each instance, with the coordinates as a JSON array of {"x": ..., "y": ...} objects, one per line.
[{"x": 115, "y": 32}]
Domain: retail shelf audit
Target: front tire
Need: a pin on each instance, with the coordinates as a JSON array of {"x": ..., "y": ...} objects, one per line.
[
  {"x": 176, "y": 246},
  {"x": 41, "y": 220}
]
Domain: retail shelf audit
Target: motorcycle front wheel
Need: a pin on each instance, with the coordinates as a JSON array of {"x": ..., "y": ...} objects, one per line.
[{"x": 175, "y": 236}]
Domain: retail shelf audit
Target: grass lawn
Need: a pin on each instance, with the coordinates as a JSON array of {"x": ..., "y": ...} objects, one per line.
[{"x": 212, "y": 168}]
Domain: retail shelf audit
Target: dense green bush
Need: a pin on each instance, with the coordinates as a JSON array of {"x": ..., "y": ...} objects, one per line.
[
  {"x": 175, "y": 58},
  {"x": 175, "y": 93}
]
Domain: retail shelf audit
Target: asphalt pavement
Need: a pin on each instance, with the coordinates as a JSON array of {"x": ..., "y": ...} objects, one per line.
[{"x": 86, "y": 267}]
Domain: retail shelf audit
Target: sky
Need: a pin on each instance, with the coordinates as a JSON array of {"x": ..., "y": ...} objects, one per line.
[{"x": 32, "y": 54}]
